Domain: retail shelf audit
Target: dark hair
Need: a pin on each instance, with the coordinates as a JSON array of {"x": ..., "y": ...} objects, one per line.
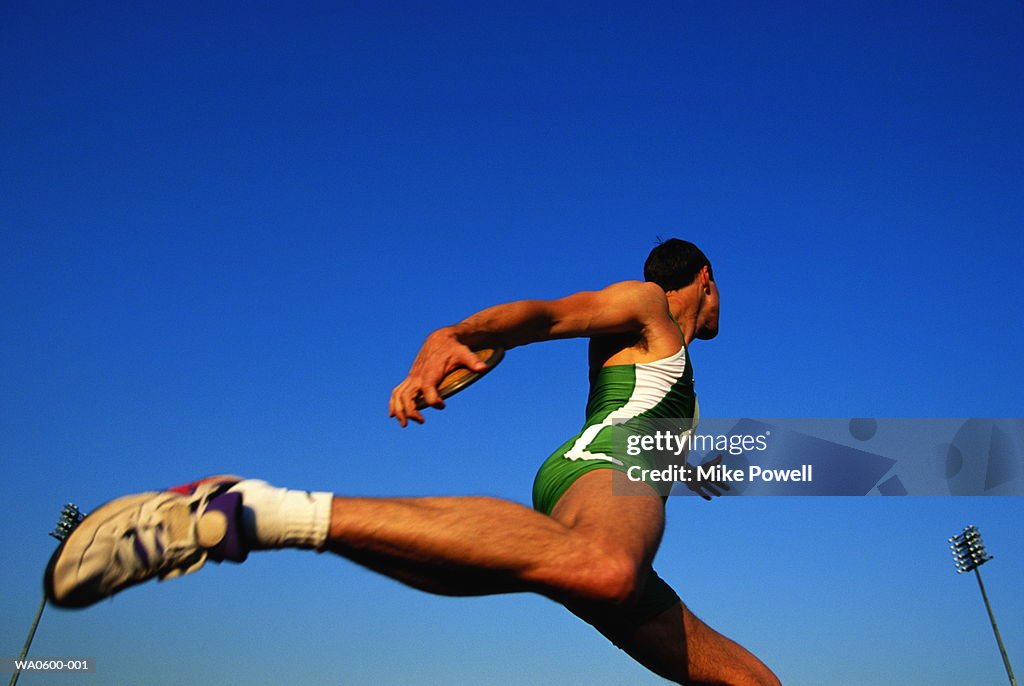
[{"x": 675, "y": 263}]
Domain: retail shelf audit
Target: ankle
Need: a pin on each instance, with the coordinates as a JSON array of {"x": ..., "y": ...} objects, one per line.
[{"x": 282, "y": 518}]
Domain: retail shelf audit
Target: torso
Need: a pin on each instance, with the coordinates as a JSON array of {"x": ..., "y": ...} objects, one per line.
[{"x": 661, "y": 388}]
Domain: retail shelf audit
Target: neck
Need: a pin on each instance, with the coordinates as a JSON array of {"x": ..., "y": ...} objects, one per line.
[{"x": 682, "y": 304}]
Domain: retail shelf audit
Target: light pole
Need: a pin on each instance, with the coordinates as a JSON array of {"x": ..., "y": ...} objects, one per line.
[
  {"x": 70, "y": 516},
  {"x": 969, "y": 554}
]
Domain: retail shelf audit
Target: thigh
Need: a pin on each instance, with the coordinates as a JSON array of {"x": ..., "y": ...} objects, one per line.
[{"x": 614, "y": 512}]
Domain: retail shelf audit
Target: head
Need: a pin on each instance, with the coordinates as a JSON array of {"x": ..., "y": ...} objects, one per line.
[{"x": 680, "y": 267}]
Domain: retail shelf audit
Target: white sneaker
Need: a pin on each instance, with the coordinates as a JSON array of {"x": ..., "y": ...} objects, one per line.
[{"x": 135, "y": 538}]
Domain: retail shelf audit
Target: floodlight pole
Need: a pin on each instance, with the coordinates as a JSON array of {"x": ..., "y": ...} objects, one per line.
[
  {"x": 70, "y": 516},
  {"x": 969, "y": 555},
  {"x": 995, "y": 629},
  {"x": 28, "y": 641}
]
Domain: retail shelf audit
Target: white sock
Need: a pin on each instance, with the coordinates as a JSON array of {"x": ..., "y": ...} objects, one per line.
[{"x": 280, "y": 518}]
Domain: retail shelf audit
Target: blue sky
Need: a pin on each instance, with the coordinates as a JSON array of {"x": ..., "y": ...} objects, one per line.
[{"x": 226, "y": 229}]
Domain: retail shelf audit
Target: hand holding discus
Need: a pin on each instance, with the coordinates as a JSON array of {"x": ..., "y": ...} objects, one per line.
[
  {"x": 462, "y": 378},
  {"x": 442, "y": 368}
]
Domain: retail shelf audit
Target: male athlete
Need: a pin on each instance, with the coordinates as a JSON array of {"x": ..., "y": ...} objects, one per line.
[{"x": 583, "y": 545}]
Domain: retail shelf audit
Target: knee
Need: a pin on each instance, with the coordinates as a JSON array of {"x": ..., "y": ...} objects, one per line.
[{"x": 612, "y": 579}]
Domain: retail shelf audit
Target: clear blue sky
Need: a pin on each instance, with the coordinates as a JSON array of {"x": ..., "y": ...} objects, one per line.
[{"x": 226, "y": 229}]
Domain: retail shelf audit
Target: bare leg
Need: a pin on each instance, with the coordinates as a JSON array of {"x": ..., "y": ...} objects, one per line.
[
  {"x": 678, "y": 646},
  {"x": 473, "y": 546}
]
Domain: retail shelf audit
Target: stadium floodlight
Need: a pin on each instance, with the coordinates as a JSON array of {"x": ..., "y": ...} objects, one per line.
[
  {"x": 70, "y": 516},
  {"x": 968, "y": 550},
  {"x": 969, "y": 555}
]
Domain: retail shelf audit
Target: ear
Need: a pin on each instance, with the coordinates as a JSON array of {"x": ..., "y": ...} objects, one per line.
[{"x": 705, "y": 279}]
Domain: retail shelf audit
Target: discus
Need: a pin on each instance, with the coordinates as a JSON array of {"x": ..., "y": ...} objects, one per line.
[{"x": 462, "y": 378}]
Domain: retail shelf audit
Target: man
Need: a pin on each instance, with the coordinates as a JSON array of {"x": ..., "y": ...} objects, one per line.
[{"x": 586, "y": 544}]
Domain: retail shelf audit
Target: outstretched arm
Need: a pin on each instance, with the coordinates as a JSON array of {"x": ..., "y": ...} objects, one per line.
[{"x": 621, "y": 307}]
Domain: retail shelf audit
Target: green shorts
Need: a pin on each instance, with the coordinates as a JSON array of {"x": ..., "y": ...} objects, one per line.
[{"x": 560, "y": 471}]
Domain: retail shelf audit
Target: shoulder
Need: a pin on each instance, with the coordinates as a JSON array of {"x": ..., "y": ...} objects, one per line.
[
  {"x": 617, "y": 308},
  {"x": 633, "y": 295},
  {"x": 645, "y": 302},
  {"x": 642, "y": 291},
  {"x": 647, "y": 299}
]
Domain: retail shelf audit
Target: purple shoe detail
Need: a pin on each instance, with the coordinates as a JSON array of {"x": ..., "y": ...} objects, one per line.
[
  {"x": 159, "y": 540},
  {"x": 140, "y": 550},
  {"x": 232, "y": 547}
]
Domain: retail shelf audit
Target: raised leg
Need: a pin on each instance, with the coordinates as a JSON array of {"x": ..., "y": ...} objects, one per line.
[
  {"x": 474, "y": 546},
  {"x": 593, "y": 554}
]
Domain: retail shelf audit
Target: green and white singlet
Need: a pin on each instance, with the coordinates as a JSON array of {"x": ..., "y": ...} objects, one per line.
[{"x": 662, "y": 389}]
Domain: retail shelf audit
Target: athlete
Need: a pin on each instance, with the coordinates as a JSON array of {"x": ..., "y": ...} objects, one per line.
[{"x": 587, "y": 544}]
